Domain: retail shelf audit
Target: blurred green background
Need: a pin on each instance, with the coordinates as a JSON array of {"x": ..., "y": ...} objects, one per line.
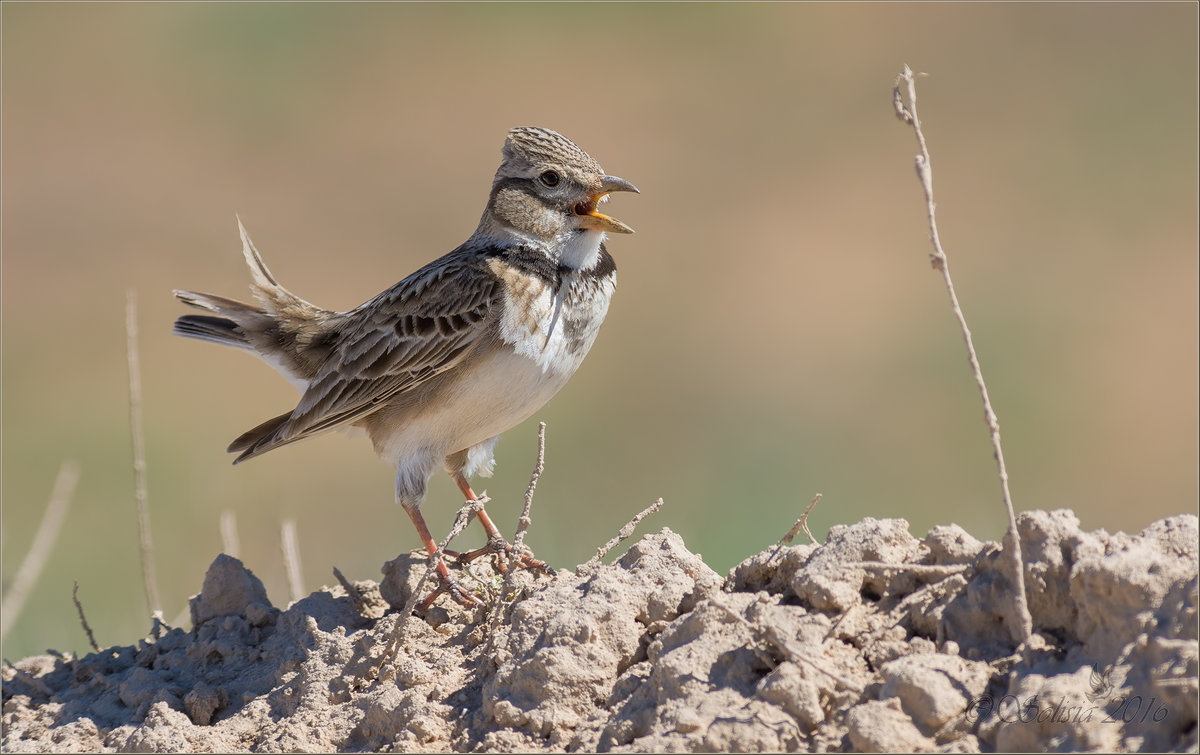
[{"x": 777, "y": 331}]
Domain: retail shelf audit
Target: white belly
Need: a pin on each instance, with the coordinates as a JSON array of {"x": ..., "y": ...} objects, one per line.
[{"x": 501, "y": 391}]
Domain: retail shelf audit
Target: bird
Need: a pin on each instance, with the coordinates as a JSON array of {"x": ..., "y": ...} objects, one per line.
[{"x": 436, "y": 367}]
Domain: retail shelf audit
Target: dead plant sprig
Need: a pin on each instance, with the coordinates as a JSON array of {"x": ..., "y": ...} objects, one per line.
[
  {"x": 83, "y": 619},
  {"x": 39, "y": 551},
  {"x": 229, "y": 535},
  {"x": 289, "y": 542},
  {"x": 355, "y": 596},
  {"x": 145, "y": 542},
  {"x": 525, "y": 520},
  {"x": 518, "y": 544},
  {"x": 801, "y": 524},
  {"x": 624, "y": 534},
  {"x": 907, "y": 112}
]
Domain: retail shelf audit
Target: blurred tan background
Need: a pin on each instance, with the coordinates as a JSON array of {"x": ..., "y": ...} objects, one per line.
[{"x": 777, "y": 331}]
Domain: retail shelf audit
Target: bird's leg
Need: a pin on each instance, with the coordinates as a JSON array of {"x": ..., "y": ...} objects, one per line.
[
  {"x": 447, "y": 583},
  {"x": 496, "y": 542}
]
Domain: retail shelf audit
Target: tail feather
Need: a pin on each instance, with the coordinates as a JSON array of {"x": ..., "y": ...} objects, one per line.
[
  {"x": 237, "y": 319},
  {"x": 213, "y": 329},
  {"x": 258, "y": 440},
  {"x": 274, "y": 298}
]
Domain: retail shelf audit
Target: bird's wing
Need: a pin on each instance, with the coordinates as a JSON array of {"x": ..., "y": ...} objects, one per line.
[{"x": 415, "y": 330}]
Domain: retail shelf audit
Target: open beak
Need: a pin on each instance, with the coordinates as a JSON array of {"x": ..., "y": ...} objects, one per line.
[{"x": 592, "y": 219}]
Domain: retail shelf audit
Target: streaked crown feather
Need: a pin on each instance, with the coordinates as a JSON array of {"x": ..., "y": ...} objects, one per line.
[{"x": 529, "y": 145}]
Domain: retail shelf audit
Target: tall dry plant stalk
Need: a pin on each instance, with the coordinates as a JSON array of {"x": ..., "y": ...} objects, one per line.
[
  {"x": 290, "y": 544},
  {"x": 43, "y": 542},
  {"x": 145, "y": 542},
  {"x": 229, "y": 535},
  {"x": 1023, "y": 630}
]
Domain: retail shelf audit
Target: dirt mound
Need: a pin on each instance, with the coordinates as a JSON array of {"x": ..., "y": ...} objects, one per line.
[{"x": 874, "y": 641}]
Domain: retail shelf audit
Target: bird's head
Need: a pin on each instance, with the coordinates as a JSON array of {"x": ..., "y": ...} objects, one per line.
[{"x": 547, "y": 188}]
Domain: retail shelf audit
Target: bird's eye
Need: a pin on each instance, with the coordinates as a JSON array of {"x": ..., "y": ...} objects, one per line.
[{"x": 550, "y": 178}]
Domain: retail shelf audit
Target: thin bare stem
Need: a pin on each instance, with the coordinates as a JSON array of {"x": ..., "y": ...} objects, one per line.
[
  {"x": 352, "y": 591},
  {"x": 43, "y": 541},
  {"x": 525, "y": 520},
  {"x": 624, "y": 534},
  {"x": 83, "y": 619},
  {"x": 1024, "y": 624},
  {"x": 801, "y": 524},
  {"x": 229, "y": 535},
  {"x": 518, "y": 545},
  {"x": 290, "y": 543},
  {"x": 145, "y": 542}
]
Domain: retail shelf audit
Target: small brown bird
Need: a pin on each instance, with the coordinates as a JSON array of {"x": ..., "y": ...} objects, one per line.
[{"x": 440, "y": 364}]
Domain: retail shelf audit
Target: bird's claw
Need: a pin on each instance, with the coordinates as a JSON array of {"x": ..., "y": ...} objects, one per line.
[{"x": 457, "y": 592}]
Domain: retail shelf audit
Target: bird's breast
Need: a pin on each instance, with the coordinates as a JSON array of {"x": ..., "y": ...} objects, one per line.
[{"x": 553, "y": 323}]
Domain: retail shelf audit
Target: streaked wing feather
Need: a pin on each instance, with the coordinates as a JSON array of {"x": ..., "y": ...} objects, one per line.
[{"x": 419, "y": 328}]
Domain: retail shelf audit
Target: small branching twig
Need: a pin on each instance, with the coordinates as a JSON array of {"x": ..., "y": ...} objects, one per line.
[
  {"x": 145, "y": 542},
  {"x": 624, "y": 534},
  {"x": 908, "y": 114},
  {"x": 518, "y": 545},
  {"x": 229, "y": 535},
  {"x": 290, "y": 543},
  {"x": 83, "y": 619},
  {"x": 525, "y": 520},
  {"x": 43, "y": 541},
  {"x": 801, "y": 524},
  {"x": 352, "y": 591}
]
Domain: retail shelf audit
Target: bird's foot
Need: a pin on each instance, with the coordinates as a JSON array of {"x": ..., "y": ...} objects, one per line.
[
  {"x": 503, "y": 550},
  {"x": 448, "y": 585}
]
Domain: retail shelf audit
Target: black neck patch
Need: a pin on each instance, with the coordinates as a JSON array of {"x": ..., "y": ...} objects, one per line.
[{"x": 533, "y": 262}]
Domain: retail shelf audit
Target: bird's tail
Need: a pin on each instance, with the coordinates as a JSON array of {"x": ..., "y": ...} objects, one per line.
[
  {"x": 237, "y": 319},
  {"x": 282, "y": 329}
]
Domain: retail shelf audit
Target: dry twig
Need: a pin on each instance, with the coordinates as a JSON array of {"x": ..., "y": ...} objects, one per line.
[
  {"x": 352, "y": 591},
  {"x": 83, "y": 619},
  {"x": 908, "y": 114},
  {"x": 43, "y": 541},
  {"x": 624, "y": 534},
  {"x": 525, "y": 520},
  {"x": 150, "y": 582},
  {"x": 290, "y": 543},
  {"x": 801, "y": 524},
  {"x": 523, "y": 524}
]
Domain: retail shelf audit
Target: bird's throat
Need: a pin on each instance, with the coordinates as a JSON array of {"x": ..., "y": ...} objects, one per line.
[{"x": 581, "y": 249}]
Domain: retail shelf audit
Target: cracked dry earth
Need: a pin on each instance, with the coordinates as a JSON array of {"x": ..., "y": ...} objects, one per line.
[{"x": 874, "y": 641}]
